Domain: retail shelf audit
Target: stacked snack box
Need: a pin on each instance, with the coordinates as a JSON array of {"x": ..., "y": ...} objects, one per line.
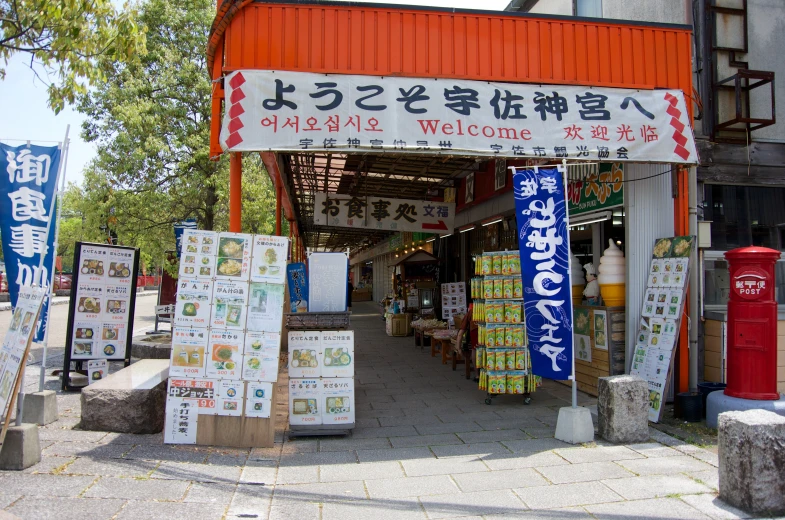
[{"x": 502, "y": 356}]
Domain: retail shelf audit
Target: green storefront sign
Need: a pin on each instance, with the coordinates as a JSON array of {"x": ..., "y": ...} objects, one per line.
[{"x": 598, "y": 191}]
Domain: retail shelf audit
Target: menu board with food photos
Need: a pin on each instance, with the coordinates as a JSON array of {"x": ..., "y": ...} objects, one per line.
[
  {"x": 20, "y": 333},
  {"x": 100, "y": 314},
  {"x": 227, "y": 324},
  {"x": 661, "y": 315}
]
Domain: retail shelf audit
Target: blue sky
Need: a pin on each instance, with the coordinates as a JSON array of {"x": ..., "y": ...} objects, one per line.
[{"x": 26, "y": 115}]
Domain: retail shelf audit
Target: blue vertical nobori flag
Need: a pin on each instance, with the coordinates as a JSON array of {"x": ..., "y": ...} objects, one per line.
[
  {"x": 26, "y": 194},
  {"x": 544, "y": 245},
  {"x": 179, "y": 229},
  {"x": 298, "y": 287}
]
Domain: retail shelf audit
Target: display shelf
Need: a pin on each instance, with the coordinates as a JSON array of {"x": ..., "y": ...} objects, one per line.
[{"x": 502, "y": 353}]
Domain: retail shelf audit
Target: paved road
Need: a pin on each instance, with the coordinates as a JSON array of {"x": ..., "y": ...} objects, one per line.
[{"x": 144, "y": 320}]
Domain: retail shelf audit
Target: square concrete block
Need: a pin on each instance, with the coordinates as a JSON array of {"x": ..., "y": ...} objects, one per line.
[
  {"x": 40, "y": 407},
  {"x": 21, "y": 448},
  {"x": 623, "y": 409},
  {"x": 752, "y": 461},
  {"x": 574, "y": 425}
]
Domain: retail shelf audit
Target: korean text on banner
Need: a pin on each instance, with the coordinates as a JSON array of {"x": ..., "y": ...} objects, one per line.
[
  {"x": 24, "y": 216},
  {"x": 544, "y": 246},
  {"x": 301, "y": 111}
]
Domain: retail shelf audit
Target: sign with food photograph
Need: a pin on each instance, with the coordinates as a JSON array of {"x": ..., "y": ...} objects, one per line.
[
  {"x": 268, "y": 263},
  {"x": 229, "y": 397},
  {"x": 113, "y": 340},
  {"x": 193, "y": 303},
  {"x": 117, "y": 303},
  {"x": 224, "y": 358},
  {"x": 103, "y": 295},
  {"x": 193, "y": 265},
  {"x": 265, "y": 307},
  {"x": 260, "y": 358},
  {"x": 258, "y": 400},
  {"x": 338, "y": 353},
  {"x": 601, "y": 330},
  {"x": 97, "y": 369},
  {"x": 230, "y": 301},
  {"x": 197, "y": 241},
  {"x": 305, "y": 351},
  {"x": 15, "y": 342},
  {"x": 188, "y": 356},
  {"x": 234, "y": 256},
  {"x": 304, "y": 401},
  {"x": 661, "y": 316},
  {"x": 338, "y": 401}
]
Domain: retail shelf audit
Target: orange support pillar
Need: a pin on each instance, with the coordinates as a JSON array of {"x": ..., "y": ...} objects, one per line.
[
  {"x": 681, "y": 224},
  {"x": 278, "y": 195},
  {"x": 235, "y": 192}
]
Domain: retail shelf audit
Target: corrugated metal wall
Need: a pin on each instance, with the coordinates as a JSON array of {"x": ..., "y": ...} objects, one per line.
[
  {"x": 649, "y": 214},
  {"x": 488, "y": 47}
]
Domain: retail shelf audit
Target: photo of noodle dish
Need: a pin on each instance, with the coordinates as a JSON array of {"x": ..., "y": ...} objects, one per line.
[
  {"x": 229, "y": 267},
  {"x": 662, "y": 247}
]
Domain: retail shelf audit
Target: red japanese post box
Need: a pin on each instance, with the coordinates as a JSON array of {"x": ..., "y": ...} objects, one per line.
[{"x": 752, "y": 324}]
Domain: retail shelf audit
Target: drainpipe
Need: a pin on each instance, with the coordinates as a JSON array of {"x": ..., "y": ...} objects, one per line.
[{"x": 694, "y": 278}]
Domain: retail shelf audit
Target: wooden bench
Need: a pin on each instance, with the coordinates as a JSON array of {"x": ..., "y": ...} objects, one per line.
[{"x": 132, "y": 400}]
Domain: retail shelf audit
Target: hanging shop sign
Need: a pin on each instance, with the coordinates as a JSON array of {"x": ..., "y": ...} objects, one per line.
[
  {"x": 25, "y": 211},
  {"x": 540, "y": 203},
  {"x": 603, "y": 189},
  {"x": 178, "y": 233},
  {"x": 299, "y": 111},
  {"x": 383, "y": 213},
  {"x": 328, "y": 282}
]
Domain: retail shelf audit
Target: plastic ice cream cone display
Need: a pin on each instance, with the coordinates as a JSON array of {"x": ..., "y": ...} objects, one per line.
[
  {"x": 577, "y": 279},
  {"x": 612, "y": 278}
]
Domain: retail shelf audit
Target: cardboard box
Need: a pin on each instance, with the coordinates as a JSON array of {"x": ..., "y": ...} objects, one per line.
[{"x": 397, "y": 325}]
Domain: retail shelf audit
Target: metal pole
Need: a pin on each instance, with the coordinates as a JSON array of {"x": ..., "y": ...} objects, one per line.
[
  {"x": 569, "y": 279},
  {"x": 38, "y": 281},
  {"x": 64, "y": 165},
  {"x": 694, "y": 280}
]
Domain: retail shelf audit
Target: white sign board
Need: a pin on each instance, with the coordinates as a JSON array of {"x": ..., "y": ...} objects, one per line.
[
  {"x": 301, "y": 111},
  {"x": 328, "y": 282}
]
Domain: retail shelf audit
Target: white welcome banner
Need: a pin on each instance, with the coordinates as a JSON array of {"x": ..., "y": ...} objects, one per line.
[
  {"x": 383, "y": 213},
  {"x": 297, "y": 111}
]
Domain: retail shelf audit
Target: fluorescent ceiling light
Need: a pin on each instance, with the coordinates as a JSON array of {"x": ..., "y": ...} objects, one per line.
[
  {"x": 431, "y": 240},
  {"x": 445, "y": 236},
  {"x": 591, "y": 218},
  {"x": 464, "y": 230},
  {"x": 494, "y": 221}
]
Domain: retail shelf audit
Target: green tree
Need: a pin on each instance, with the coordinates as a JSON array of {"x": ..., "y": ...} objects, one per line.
[
  {"x": 151, "y": 123},
  {"x": 64, "y": 38}
]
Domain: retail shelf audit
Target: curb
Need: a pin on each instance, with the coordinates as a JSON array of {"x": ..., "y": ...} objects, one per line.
[{"x": 62, "y": 300}]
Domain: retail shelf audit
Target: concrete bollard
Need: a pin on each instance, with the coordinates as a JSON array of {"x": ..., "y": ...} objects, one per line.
[
  {"x": 752, "y": 461},
  {"x": 40, "y": 408},
  {"x": 623, "y": 409},
  {"x": 21, "y": 448}
]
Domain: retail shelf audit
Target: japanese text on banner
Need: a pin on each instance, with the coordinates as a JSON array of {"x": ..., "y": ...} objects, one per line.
[
  {"x": 544, "y": 248},
  {"x": 297, "y": 111},
  {"x": 24, "y": 216}
]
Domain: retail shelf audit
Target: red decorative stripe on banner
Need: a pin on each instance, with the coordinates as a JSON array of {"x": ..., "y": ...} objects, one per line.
[
  {"x": 235, "y": 125},
  {"x": 678, "y": 135},
  {"x": 237, "y": 80}
]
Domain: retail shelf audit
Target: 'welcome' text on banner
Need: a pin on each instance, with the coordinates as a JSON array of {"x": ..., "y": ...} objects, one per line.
[
  {"x": 25, "y": 206},
  {"x": 301, "y": 111},
  {"x": 544, "y": 244}
]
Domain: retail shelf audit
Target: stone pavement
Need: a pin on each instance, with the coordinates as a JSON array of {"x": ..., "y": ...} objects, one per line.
[{"x": 425, "y": 447}]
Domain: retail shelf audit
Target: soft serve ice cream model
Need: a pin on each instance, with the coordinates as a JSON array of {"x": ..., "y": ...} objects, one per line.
[{"x": 612, "y": 276}]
